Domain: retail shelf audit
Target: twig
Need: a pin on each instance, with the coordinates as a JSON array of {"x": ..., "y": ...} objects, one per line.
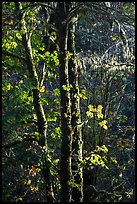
[
  {"x": 12, "y": 144},
  {"x": 7, "y": 53}
]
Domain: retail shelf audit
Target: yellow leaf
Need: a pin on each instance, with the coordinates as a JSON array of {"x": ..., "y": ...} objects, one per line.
[
  {"x": 56, "y": 161},
  {"x": 114, "y": 38},
  {"x": 99, "y": 107},
  {"x": 99, "y": 115},
  {"x": 9, "y": 86},
  {"x": 70, "y": 86},
  {"x": 89, "y": 114},
  {"x": 19, "y": 199},
  {"x": 42, "y": 89},
  {"x": 121, "y": 73},
  {"x": 69, "y": 54},
  {"x": 34, "y": 188},
  {"x": 94, "y": 110},
  {"x": 102, "y": 123},
  {"x": 34, "y": 170},
  {"x": 105, "y": 127},
  {"x": 45, "y": 148}
]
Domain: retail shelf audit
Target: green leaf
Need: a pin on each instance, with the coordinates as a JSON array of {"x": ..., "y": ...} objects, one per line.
[
  {"x": 37, "y": 135},
  {"x": 18, "y": 36},
  {"x": 90, "y": 107},
  {"x": 57, "y": 101},
  {"x": 57, "y": 130},
  {"x": 56, "y": 91},
  {"x": 47, "y": 54},
  {"x": 69, "y": 54},
  {"x": 123, "y": 119},
  {"x": 124, "y": 79},
  {"x": 29, "y": 182},
  {"x": 73, "y": 184},
  {"x": 113, "y": 159},
  {"x": 67, "y": 88}
]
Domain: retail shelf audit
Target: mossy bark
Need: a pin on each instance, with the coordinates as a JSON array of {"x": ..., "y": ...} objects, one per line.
[
  {"x": 41, "y": 119},
  {"x": 26, "y": 40},
  {"x": 77, "y": 192},
  {"x": 66, "y": 131}
]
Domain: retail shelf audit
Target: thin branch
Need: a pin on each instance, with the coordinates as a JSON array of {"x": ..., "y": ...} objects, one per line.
[
  {"x": 40, "y": 4},
  {"x": 12, "y": 144},
  {"x": 43, "y": 75},
  {"x": 7, "y": 53},
  {"x": 72, "y": 11}
]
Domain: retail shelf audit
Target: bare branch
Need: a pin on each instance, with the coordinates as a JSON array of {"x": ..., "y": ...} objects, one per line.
[
  {"x": 7, "y": 53},
  {"x": 12, "y": 144}
]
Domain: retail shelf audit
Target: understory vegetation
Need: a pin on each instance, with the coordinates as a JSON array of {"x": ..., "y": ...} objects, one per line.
[{"x": 68, "y": 101}]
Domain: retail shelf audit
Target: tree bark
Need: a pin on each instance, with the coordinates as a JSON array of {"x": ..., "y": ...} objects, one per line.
[
  {"x": 66, "y": 136},
  {"x": 42, "y": 123},
  {"x": 41, "y": 119},
  {"x": 26, "y": 39},
  {"x": 77, "y": 192}
]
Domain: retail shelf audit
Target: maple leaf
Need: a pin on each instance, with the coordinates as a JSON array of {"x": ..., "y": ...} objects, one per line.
[{"x": 34, "y": 170}]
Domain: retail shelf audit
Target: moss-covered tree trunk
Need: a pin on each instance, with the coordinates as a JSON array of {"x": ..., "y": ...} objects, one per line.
[
  {"x": 41, "y": 119},
  {"x": 66, "y": 131},
  {"x": 77, "y": 191}
]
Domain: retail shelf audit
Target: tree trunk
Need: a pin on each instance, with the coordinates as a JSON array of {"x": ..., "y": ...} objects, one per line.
[
  {"x": 41, "y": 119},
  {"x": 26, "y": 39},
  {"x": 77, "y": 192},
  {"x": 66, "y": 145}
]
